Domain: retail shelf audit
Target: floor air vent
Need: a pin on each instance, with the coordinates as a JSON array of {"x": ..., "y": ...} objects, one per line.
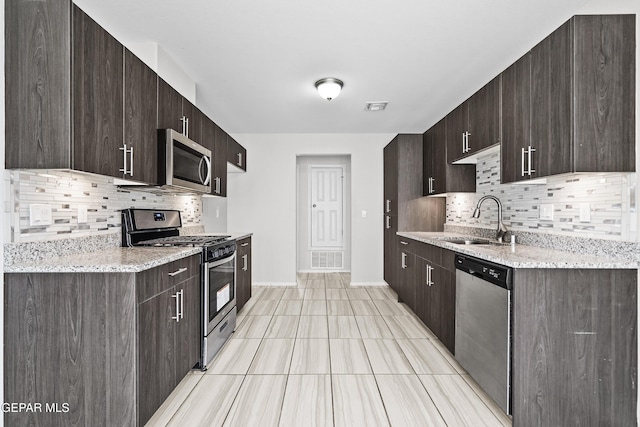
[{"x": 327, "y": 259}]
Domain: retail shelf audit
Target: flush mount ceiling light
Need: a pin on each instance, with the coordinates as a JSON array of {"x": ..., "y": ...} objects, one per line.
[{"x": 329, "y": 88}]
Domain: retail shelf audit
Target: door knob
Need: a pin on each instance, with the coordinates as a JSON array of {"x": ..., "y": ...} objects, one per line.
[{"x": 314, "y": 205}]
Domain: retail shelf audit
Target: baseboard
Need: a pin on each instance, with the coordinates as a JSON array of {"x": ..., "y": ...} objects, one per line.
[
  {"x": 317, "y": 270},
  {"x": 256, "y": 284},
  {"x": 369, "y": 284}
]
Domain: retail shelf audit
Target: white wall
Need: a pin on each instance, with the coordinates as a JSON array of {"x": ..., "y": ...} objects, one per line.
[
  {"x": 263, "y": 200},
  {"x": 214, "y": 214}
]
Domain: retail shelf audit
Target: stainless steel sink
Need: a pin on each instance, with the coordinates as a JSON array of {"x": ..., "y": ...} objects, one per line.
[{"x": 474, "y": 242}]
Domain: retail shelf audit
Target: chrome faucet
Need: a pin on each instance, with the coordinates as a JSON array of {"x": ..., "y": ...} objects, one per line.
[{"x": 502, "y": 230}]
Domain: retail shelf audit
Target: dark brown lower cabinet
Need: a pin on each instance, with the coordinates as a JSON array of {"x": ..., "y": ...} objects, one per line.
[
  {"x": 167, "y": 347},
  {"x": 101, "y": 348},
  {"x": 574, "y": 335},
  {"x": 436, "y": 293},
  {"x": 243, "y": 272},
  {"x": 407, "y": 274},
  {"x": 391, "y": 250},
  {"x": 575, "y": 347},
  {"x": 426, "y": 284}
]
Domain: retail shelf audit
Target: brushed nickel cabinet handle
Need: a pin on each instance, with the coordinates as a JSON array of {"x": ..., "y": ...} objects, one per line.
[
  {"x": 531, "y": 170},
  {"x": 178, "y": 271},
  {"x": 182, "y": 304},
  {"x": 177, "y": 316}
]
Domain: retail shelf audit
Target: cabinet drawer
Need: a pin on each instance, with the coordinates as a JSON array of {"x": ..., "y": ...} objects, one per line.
[
  {"x": 157, "y": 280},
  {"x": 429, "y": 252},
  {"x": 407, "y": 245},
  {"x": 243, "y": 246}
]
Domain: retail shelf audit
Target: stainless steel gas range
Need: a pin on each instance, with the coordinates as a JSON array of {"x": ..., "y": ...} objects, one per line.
[{"x": 157, "y": 227}]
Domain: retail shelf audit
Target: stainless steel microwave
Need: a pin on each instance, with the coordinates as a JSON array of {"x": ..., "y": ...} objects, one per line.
[{"x": 184, "y": 165}]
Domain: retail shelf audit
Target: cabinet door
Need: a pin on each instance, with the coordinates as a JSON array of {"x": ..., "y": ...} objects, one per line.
[
  {"x": 390, "y": 226},
  {"x": 438, "y": 152},
  {"x": 575, "y": 347},
  {"x": 169, "y": 107},
  {"x": 38, "y": 97},
  {"x": 516, "y": 120},
  {"x": 456, "y": 123},
  {"x": 484, "y": 117},
  {"x": 188, "y": 329},
  {"x": 219, "y": 176},
  {"x": 243, "y": 273},
  {"x": 423, "y": 291},
  {"x": 97, "y": 98},
  {"x": 70, "y": 337},
  {"x": 551, "y": 100},
  {"x": 236, "y": 154},
  {"x": 156, "y": 352},
  {"x": 407, "y": 277},
  {"x": 195, "y": 122},
  {"x": 140, "y": 118},
  {"x": 443, "y": 306},
  {"x": 604, "y": 93},
  {"x": 390, "y": 165},
  {"x": 428, "y": 163},
  {"x": 441, "y": 177}
]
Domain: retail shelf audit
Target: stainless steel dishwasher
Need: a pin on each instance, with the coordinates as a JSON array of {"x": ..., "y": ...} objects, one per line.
[{"x": 483, "y": 325}]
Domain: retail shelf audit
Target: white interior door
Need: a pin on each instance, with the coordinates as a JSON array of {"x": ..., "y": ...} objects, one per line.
[{"x": 327, "y": 186}]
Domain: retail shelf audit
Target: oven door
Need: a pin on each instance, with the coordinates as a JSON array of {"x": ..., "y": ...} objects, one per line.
[{"x": 219, "y": 291}]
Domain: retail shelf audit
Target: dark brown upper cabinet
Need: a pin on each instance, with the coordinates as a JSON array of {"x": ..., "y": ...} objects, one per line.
[
  {"x": 140, "y": 117},
  {"x": 568, "y": 105},
  {"x": 169, "y": 107},
  {"x": 37, "y": 84},
  {"x": 94, "y": 106},
  {"x": 215, "y": 139},
  {"x": 440, "y": 177},
  {"x": 236, "y": 154},
  {"x": 475, "y": 124},
  {"x": 98, "y": 144},
  {"x": 219, "y": 176},
  {"x": 194, "y": 121}
]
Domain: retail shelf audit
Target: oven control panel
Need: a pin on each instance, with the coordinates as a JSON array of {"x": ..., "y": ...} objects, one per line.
[{"x": 220, "y": 251}]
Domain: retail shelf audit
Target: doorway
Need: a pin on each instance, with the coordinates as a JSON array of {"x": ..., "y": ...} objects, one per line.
[{"x": 323, "y": 213}]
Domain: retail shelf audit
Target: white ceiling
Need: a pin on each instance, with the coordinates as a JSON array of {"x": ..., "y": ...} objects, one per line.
[{"x": 255, "y": 62}]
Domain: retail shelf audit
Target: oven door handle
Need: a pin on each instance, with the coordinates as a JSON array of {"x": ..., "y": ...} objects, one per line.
[{"x": 221, "y": 261}]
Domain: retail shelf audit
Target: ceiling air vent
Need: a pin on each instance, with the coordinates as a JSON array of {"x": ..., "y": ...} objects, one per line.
[{"x": 375, "y": 106}]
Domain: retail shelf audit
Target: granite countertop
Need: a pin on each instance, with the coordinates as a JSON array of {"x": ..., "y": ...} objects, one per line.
[
  {"x": 520, "y": 256},
  {"x": 112, "y": 260}
]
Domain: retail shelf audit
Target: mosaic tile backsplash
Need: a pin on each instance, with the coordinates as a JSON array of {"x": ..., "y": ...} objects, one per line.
[
  {"x": 609, "y": 199},
  {"x": 65, "y": 191}
]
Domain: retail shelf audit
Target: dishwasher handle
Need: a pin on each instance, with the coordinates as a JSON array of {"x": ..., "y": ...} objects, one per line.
[{"x": 497, "y": 274}]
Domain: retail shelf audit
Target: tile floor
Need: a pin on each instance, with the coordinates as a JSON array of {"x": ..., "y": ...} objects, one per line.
[{"x": 328, "y": 354}]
